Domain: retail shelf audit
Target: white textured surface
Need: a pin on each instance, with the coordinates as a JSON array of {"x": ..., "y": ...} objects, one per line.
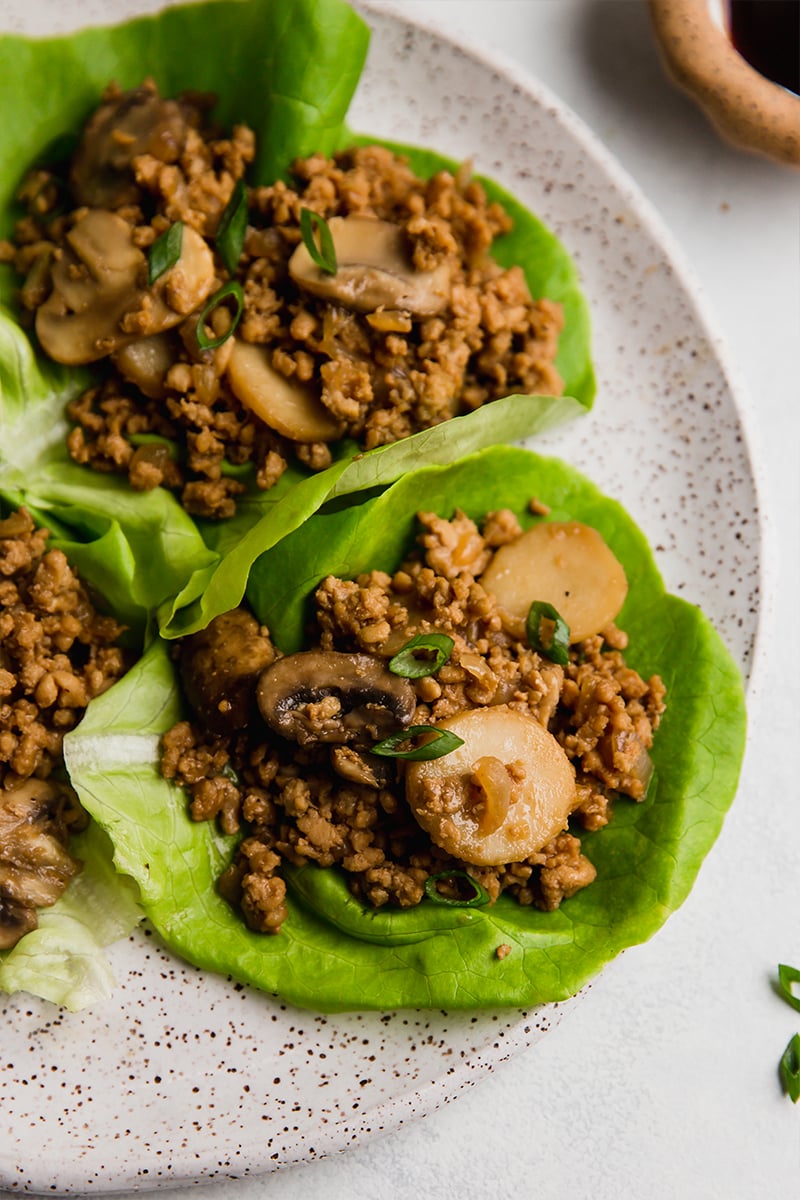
[{"x": 663, "y": 1084}]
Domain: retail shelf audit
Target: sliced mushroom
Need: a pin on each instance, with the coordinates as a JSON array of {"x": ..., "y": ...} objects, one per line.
[
  {"x": 500, "y": 796},
  {"x": 286, "y": 406},
  {"x": 326, "y": 696},
  {"x": 219, "y": 667},
  {"x": 15, "y": 921},
  {"x": 373, "y": 270},
  {"x": 565, "y": 563},
  {"x": 35, "y": 866},
  {"x": 126, "y": 125},
  {"x": 97, "y": 279}
]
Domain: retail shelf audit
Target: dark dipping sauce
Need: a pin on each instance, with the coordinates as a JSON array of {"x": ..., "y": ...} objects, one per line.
[{"x": 767, "y": 34}]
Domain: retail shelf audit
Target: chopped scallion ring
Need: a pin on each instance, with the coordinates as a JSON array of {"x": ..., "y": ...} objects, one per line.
[
  {"x": 442, "y": 742},
  {"x": 165, "y": 252},
  {"x": 231, "y": 290},
  {"x": 229, "y": 772},
  {"x": 477, "y": 900},
  {"x": 235, "y": 470},
  {"x": 324, "y": 254},
  {"x": 155, "y": 439},
  {"x": 422, "y": 655},
  {"x": 786, "y": 977},
  {"x": 548, "y": 632},
  {"x": 790, "y": 1069},
  {"x": 232, "y": 227}
]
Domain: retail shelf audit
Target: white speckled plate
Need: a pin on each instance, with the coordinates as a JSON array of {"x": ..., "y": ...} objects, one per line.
[{"x": 181, "y": 1077}]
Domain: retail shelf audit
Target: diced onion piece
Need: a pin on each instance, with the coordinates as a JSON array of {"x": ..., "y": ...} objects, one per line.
[
  {"x": 464, "y": 803},
  {"x": 565, "y": 563},
  {"x": 145, "y": 362},
  {"x": 285, "y": 405}
]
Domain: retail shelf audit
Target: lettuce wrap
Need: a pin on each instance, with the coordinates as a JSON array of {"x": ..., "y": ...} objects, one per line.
[
  {"x": 335, "y": 954},
  {"x": 63, "y": 960},
  {"x": 289, "y": 71}
]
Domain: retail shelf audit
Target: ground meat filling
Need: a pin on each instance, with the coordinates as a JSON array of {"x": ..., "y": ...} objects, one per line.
[
  {"x": 56, "y": 654},
  {"x": 342, "y": 805},
  {"x": 374, "y": 363}
]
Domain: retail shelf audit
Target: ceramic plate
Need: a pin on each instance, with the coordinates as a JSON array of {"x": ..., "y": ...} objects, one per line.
[{"x": 183, "y": 1077}]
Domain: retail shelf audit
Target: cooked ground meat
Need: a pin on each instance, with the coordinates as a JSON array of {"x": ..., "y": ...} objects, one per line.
[
  {"x": 370, "y": 360},
  {"x": 343, "y": 805},
  {"x": 56, "y": 653}
]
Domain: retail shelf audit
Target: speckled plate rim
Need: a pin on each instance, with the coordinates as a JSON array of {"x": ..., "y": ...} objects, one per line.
[{"x": 389, "y": 1115}]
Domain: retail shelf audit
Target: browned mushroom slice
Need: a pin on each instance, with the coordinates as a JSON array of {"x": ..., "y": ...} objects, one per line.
[
  {"x": 97, "y": 280},
  {"x": 219, "y": 667},
  {"x": 373, "y": 270},
  {"x": 35, "y": 866},
  {"x": 326, "y": 696},
  {"x": 286, "y": 406},
  {"x": 126, "y": 125},
  {"x": 15, "y": 921}
]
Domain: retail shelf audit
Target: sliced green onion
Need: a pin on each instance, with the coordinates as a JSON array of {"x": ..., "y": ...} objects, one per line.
[
  {"x": 324, "y": 254},
  {"x": 478, "y": 900},
  {"x": 786, "y": 977},
  {"x": 548, "y": 632},
  {"x": 443, "y": 742},
  {"x": 165, "y": 252},
  {"x": 235, "y": 470},
  {"x": 229, "y": 772},
  {"x": 790, "y": 1069},
  {"x": 232, "y": 290},
  {"x": 155, "y": 439},
  {"x": 422, "y": 655},
  {"x": 232, "y": 227}
]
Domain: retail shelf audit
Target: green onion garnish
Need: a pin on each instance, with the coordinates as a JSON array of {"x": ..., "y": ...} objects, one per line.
[
  {"x": 548, "y": 632},
  {"x": 443, "y": 742},
  {"x": 790, "y": 1069},
  {"x": 232, "y": 290},
  {"x": 235, "y": 470},
  {"x": 422, "y": 655},
  {"x": 165, "y": 252},
  {"x": 480, "y": 897},
  {"x": 229, "y": 772},
  {"x": 786, "y": 977},
  {"x": 155, "y": 439},
  {"x": 324, "y": 254},
  {"x": 232, "y": 227}
]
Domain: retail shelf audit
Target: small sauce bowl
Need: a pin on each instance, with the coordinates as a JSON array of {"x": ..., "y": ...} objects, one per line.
[{"x": 746, "y": 107}]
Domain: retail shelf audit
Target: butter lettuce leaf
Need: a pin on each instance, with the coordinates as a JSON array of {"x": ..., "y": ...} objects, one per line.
[{"x": 335, "y": 954}]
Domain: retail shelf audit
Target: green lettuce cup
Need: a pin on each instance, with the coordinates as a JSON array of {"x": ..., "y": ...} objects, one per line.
[
  {"x": 289, "y": 72},
  {"x": 335, "y": 954}
]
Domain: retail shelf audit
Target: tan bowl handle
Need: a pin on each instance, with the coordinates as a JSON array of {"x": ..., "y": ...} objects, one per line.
[{"x": 746, "y": 108}]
